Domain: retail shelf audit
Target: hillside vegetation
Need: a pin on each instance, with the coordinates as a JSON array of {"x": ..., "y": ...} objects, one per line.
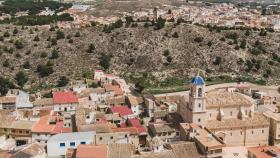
[{"x": 162, "y": 55}]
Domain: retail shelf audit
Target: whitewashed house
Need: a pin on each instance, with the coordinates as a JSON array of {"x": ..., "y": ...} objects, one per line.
[
  {"x": 58, "y": 144},
  {"x": 65, "y": 101}
]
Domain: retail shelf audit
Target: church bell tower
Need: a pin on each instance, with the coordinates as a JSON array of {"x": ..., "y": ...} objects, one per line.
[{"x": 197, "y": 100}]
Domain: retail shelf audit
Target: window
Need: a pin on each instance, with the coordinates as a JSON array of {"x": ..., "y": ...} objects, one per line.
[
  {"x": 210, "y": 115},
  {"x": 125, "y": 136},
  {"x": 252, "y": 132},
  {"x": 62, "y": 144},
  {"x": 262, "y": 131},
  {"x": 241, "y": 132},
  {"x": 230, "y": 134},
  {"x": 198, "y": 120},
  {"x": 199, "y": 105},
  {"x": 231, "y": 113},
  {"x": 72, "y": 143},
  {"x": 199, "y": 92},
  {"x": 112, "y": 137},
  {"x": 100, "y": 138},
  {"x": 83, "y": 142}
]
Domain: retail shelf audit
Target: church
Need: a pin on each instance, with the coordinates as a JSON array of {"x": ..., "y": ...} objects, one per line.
[{"x": 228, "y": 114}]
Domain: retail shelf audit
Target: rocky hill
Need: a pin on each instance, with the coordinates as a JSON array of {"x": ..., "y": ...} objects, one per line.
[{"x": 175, "y": 51}]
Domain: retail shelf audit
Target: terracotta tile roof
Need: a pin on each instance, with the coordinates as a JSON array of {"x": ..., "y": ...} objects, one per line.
[
  {"x": 7, "y": 99},
  {"x": 257, "y": 120},
  {"x": 135, "y": 122},
  {"x": 117, "y": 90},
  {"x": 58, "y": 128},
  {"x": 120, "y": 151},
  {"x": 115, "y": 100},
  {"x": 6, "y": 154},
  {"x": 160, "y": 128},
  {"x": 108, "y": 87},
  {"x": 92, "y": 151},
  {"x": 98, "y": 128},
  {"x": 182, "y": 149},
  {"x": 131, "y": 130},
  {"x": 64, "y": 98},
  {"x": 122, "y": 110},
  {"x": 227, "y": 99},
  {"x": 264, "y": 151},
  {"x": 43, "y": 126},
  {"x": 162, "y": 154}
]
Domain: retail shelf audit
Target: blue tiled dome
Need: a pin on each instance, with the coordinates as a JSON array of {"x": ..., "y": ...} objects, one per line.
[{"x": 198, "y": 80}]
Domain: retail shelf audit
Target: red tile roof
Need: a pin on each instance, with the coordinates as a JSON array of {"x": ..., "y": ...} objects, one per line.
[
  {"x": 60, "y": 129},
  {"x": 43, "y": 126},
  {"x": 135, "y": 122},
  {"x": 64, "y": 98},
  {"x": 117, "y": 90},
  {"x": 122, "y": 110},
  {"x": 264, "y": 151},
  {"x": 92, "y": 151}
]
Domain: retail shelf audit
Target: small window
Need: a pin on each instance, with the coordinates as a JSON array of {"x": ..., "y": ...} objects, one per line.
[
  {"x": 199, "y": 105},
  {"x": 100, "y": 138},
  {"x": 83, "y": 142},
  {"x": 72, "y": 143},
  {"x": 112, "y": 137},
  {"x": 241, "y": 133},
  {"x": 62, "y": 144},
  {"x": 252, "y": 132},
  {"x": 125, "y": 136},
  {"x": 198, "y": 120},
  {"x": 230, "y": 134},
  {"x": 262, "y": 131},
  {"x": 231, "y": 113}
]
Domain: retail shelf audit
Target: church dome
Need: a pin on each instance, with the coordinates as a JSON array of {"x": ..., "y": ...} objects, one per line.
[{"x": 198, "y": 80}]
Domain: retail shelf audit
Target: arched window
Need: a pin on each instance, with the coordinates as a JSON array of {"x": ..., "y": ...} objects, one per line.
[{"x": 199, "y": 92}]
